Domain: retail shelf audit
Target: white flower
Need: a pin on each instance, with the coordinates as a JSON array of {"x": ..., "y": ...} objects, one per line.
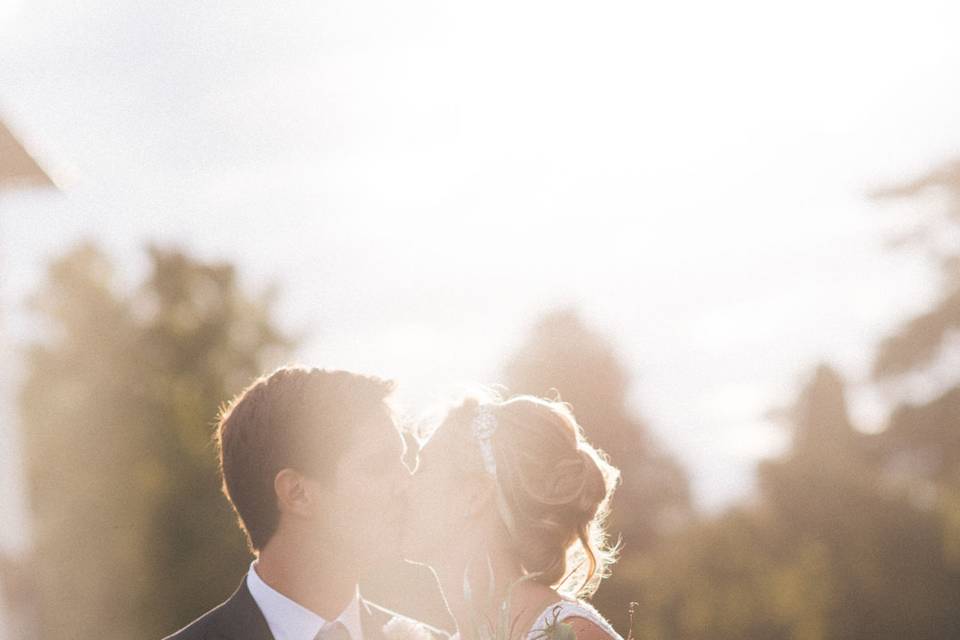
[{"x": 401, "y": 628}]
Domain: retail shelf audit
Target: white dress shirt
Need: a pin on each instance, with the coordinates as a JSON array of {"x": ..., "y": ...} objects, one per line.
[{"x": 291, "y": 621}]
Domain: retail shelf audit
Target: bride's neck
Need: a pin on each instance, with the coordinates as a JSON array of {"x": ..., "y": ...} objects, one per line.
[{"x": 484, "y": 607}]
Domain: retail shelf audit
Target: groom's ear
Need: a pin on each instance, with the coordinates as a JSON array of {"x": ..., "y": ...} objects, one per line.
[{"x": 294, "y": 495}]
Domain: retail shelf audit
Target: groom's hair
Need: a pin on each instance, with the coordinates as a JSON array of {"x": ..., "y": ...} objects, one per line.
[{"x": 295, "y": 418}]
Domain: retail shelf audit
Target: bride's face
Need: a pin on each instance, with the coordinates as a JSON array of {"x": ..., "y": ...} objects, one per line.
[{"x": 435, "y": 517}]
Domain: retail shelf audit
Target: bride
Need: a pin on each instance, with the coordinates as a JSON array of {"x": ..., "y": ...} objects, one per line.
[{"x": 507, "y": 508}]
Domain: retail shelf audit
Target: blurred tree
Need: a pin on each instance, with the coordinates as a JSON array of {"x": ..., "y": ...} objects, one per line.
[
  {"x": 19, "y": 590},
  {"x": 564, "y": 355},
  {"x": 853, "y": 535},
  {"x": 723, "y": 578},
  {"x": 887, "y": 578},
  {"x": 924, "y": 337},
  {"x": 133, "y": 537},
  {"x": 920, "y": 449},
  {"x": 829, "y": 551}
]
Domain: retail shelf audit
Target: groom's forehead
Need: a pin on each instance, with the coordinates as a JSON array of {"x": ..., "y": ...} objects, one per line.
[{"x": 379, "y": 427}]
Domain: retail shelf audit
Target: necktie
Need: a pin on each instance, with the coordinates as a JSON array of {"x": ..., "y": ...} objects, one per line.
[{"x": 333, "y": 631}]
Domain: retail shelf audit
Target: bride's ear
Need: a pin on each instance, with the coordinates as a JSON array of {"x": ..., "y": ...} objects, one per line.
[
  {"x": 293, "y": 493},
  {"x": 478, "y": 496}
]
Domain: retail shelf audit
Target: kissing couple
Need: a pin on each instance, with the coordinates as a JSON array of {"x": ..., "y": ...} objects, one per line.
[{"x": 506, "y": 506}]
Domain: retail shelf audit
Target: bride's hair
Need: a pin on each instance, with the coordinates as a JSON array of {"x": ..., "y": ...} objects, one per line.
[{"x": 554, "y": 487}]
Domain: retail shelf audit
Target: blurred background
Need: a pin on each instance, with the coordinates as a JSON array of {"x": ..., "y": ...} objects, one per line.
[{"x": 727, "y": 233}]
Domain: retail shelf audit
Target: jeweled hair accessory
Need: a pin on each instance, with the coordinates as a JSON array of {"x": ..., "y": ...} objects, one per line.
[{"x": 484, "y": 425}]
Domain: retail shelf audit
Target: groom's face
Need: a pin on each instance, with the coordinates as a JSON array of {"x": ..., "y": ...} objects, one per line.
[{"x": 365, "y": 509}]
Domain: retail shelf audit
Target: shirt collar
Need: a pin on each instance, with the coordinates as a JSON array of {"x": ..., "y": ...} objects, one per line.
[{"x": 289, "y": 620}]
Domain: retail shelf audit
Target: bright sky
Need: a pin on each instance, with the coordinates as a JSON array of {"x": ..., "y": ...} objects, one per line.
[{"x": 424, "y": 179}]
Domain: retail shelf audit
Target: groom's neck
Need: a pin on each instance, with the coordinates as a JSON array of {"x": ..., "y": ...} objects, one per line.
[{"x": 312, "y": 577}]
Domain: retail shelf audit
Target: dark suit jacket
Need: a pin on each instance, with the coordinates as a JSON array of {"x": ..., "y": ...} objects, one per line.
[{"x": 239, "y": 618}]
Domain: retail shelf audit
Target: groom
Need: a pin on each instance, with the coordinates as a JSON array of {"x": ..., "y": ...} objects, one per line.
[{"x": 312, "y": 463}]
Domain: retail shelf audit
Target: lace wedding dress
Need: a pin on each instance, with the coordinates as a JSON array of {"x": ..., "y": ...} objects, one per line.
[{"x": 560, "y": 611}]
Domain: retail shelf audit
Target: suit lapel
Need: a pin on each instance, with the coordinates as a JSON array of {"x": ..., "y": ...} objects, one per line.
[{"x": 241, "y": 618}]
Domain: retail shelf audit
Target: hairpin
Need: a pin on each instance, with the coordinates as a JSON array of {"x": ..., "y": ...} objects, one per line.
[{"x": 484, "y": 425}]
